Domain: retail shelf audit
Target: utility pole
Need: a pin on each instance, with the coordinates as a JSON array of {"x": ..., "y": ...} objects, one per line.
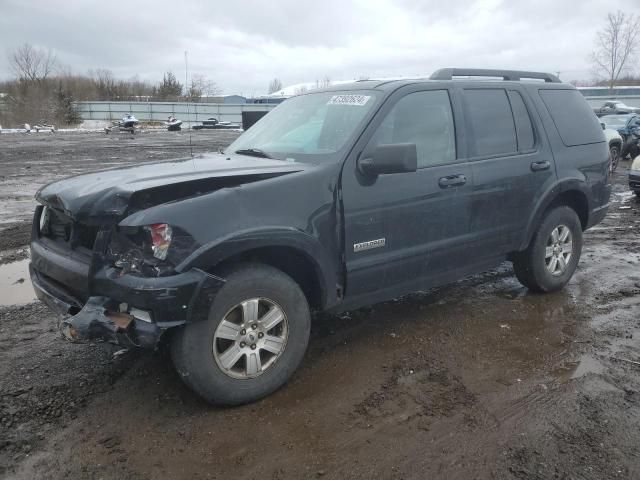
[{"x": 186, "y": 74}]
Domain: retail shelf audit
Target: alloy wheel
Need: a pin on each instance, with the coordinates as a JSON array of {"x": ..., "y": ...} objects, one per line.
[
  {"x": 559, "y": 250},
  {"x": 250, "y": 338}
]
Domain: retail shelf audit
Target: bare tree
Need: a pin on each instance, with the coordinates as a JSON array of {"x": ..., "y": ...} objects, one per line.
[
  {"x": 32, "y": 64},
  {"x": 616, "y": 45},
  {"x": 105, "y": 84},
  {"x": 324, "y": 83},
  {"x": 200, "y": 87},
  {"x": 194, "y": 93},
  {"x": 275, "y": 85}
]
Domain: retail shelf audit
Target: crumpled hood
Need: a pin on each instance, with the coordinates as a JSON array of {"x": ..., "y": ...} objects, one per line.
[{"x": 101, "y": 197}]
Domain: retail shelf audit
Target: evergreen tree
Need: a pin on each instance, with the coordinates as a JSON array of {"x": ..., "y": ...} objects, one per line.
[{"x": 170, "y": 88}]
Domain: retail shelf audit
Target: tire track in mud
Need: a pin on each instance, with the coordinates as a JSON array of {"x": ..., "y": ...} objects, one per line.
[{"x": 416, "y": 389}]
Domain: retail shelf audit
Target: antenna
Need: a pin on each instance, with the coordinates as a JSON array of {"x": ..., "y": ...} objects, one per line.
[{"x": 186, "y": 91}]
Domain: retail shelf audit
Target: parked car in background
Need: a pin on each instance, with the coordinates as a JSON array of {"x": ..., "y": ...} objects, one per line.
[
  {"x": 631, "y": 127},
  {"x": 615, "y": 142},
  {"x": 634, "y": 176},
  {"x": 631, "y": 147},
  {"x": 623, "y": 124},
  {"x": 337, "y": 199},
  {"x": 615, "y": 108}
]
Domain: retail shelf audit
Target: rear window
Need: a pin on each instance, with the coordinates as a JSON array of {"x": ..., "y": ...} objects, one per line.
[
  {"x": 574, "y": 119},
  {"x": 490, "y": 116}
]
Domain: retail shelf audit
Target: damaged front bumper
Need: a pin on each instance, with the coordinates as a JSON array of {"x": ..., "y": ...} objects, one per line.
[
  {"x": 128, "y": 310},
  {"x": 95, "y": 321}
]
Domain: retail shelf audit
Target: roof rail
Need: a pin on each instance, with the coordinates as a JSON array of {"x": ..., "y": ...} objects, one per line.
[{"x": 515, "y": 75}]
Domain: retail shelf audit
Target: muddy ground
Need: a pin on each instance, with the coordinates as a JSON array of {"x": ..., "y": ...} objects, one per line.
[{"x": 479, "y": 379}]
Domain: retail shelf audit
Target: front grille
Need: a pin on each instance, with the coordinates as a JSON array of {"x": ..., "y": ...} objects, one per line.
[{"x": 62, "y": 229}]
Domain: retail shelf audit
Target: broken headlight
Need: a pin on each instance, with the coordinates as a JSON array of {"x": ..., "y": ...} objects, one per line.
[
  {"x": 161, "y": 234},
  {"x": 151, "y": 250}
]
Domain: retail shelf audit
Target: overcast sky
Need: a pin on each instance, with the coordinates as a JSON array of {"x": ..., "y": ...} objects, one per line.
[{"x": 241, "y": 45}]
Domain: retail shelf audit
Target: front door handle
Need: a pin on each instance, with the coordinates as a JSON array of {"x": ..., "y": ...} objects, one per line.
[
  {"x": 538, "y": 166},
  {"x": 452, "y": 181}
]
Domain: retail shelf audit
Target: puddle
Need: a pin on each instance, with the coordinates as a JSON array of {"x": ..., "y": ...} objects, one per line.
[
  {"x": 15, "y": 285},
  {"x": 573, "y": 370},
  {"x": 622, "y": 197}
]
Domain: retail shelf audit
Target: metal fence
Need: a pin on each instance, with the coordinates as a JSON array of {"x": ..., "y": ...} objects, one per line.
[
  {"x": 189, "y": 113},
  {"x": 192, "y": 113}
]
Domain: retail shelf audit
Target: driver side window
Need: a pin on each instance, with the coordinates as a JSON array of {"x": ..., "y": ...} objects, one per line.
[{"x": 422, "y": 118}]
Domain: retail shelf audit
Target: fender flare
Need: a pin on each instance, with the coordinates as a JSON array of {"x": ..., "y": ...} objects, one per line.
[
  {"x": 547, "y": 199},
  {"x": 224, "y": 248},
  {"x": 616, "y": 141}
]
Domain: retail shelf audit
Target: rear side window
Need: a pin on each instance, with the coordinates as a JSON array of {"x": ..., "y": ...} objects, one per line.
[
  {"x": 490, "y": 116},
  {"x": 574, "y": 119},
  {"x": 524, "y": 129}
]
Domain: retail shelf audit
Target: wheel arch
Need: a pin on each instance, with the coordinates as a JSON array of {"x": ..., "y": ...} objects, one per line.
[
  {"x": 293, "y": 252},
  {"x": 571, "y": 194},
  {"x": 616, "y": 142},
  {"x": 290, "y": 260}
]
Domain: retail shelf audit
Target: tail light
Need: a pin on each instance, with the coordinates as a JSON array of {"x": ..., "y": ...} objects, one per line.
[{"x": 161, "y": 234}]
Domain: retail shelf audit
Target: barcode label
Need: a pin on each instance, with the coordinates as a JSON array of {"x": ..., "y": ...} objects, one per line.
[{"x": 355, "y": 100}]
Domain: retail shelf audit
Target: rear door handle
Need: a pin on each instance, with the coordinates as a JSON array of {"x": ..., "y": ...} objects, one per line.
[
  {"x": 452, "y": 181},
  {"x": 538, "y": 166}
]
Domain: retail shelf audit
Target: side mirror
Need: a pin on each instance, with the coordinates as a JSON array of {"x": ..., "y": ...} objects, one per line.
[
  {"x": 394, "y": 158},
  {"x": 603, "y": 125}
]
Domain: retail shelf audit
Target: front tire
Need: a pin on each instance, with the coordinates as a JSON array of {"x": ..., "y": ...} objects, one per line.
[
  {"x": 614, "y": 157},
  {"x": 253, "y": 340},
  {"x": 553, "y": 254}
]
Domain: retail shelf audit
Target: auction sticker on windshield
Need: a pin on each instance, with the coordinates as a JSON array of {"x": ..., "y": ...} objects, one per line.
[{"x": 356, "y": 100}]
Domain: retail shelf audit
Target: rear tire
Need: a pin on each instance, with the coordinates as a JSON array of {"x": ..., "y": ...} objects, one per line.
[
  {"x": 553, "y": 254},
  {"x": 253, "y": 340}
]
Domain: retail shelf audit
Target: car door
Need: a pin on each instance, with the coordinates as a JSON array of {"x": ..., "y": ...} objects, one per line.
[
  {"x": 512, "y": 167},
  {"x": 402, "y": 229}
]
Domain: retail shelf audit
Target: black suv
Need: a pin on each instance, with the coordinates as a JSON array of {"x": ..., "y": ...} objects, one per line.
[{"x": 336, "y": 199}]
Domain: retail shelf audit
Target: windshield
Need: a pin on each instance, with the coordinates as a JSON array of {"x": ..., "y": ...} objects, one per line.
[
  {"x": 312, "y": 124},
  {"x": 615, "y": 120}
]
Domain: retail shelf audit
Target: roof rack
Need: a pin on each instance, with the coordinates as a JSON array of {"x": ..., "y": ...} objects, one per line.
[{"x": 515, "y": 75}]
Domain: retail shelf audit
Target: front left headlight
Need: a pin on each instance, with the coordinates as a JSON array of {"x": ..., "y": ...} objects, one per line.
[
  {"x": 150, "y": 250},
  {"x": 635, "y": 165},
  {"x": 161, "y": 236}
]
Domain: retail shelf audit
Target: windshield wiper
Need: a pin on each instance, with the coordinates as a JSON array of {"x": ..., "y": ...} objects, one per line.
[{"x": 253, "y": 152}]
